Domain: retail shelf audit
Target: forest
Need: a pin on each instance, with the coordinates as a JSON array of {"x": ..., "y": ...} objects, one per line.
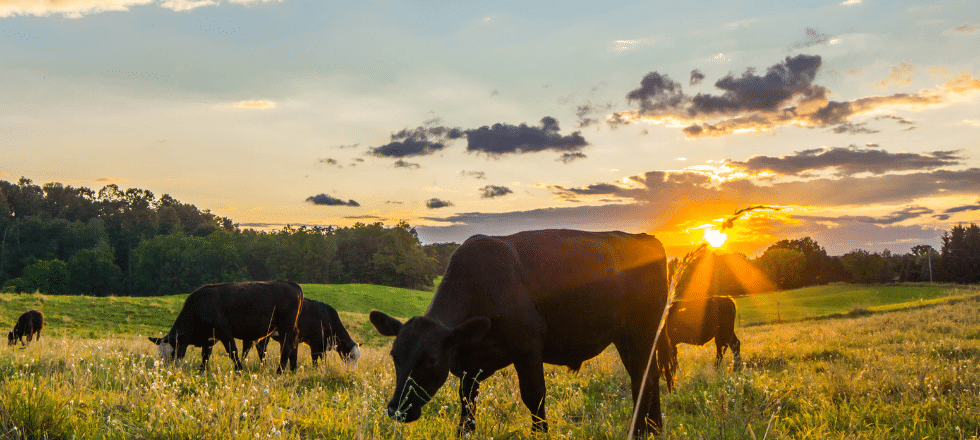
[{"x": 59, "y": 239}]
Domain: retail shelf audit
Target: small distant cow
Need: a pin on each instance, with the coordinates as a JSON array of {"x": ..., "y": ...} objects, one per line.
[
  {"x": 224, "y": 312},
  {"x": 320, "y": 328},
  {"x": 696, "y": 322},
  {"x": 29, "y": 324}
]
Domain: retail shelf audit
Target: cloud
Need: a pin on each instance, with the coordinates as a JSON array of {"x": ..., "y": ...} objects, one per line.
[
  {"x": 908, "y": 213},
  {"x": 696, "y": 77},
  {"x": 851, "y": 128},
  {"x": 948, "y": 212},
  {"x": 967, "y": 29},
  {"x": 500, "y": 139},
  {"x": 901, "y": 75},
  {"x": 80, "y": 8},
  {"x": 785, "y": 95},
  {"x": 421, "y": 141},
  {"x": 495, "y": 141},
  {"x": 255, "y": 105},
  {"x": 434, "y": 203},
  {"x": 492, "y": 191},
  {"x": 847, "y": 161},
  {"x": 325, "y": 200},
  {"x": 571, "y": 157},
  {"x": 110, "y": 180},
  {"x": 814, "y": 37},
  {"x": 331, "y": 162},
  {"x": 473, "y": 174},
  {"x": 402, "y": 164}
]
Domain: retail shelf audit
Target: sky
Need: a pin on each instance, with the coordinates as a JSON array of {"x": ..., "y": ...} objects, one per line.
[{"x": 856, "y": 122}]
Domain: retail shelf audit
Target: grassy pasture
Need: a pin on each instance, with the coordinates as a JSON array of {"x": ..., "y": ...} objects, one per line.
[{"x": 911, "y": 373}]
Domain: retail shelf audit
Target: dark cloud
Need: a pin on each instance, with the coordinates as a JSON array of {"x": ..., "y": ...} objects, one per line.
[
  {"x": 402, "y": 164},
  {"x": 491, "y": 191},
  {"x": 586, "y": 112},
  {"x": 851, "y": 128},
  {"x": 785, "y": 95},
  {"x": 750, "y": 92},
  {"x": 907, "y": 213},
  {"x": 331, "y": 162},
  {"x": 474, "y": 174},
  {"x": 696, "y": 77},
  {"x": 434, "y": 203},
  {"x": 501, "y": 139},
  {"x": 364, "y": 217},
  {"x": 395, "y": 202},
  {"x": 848, "y": 161},
  {"x": 949, "y": 212},
  {"x": 323, "y": 199},
  {"x": 897, "y": 119},
  {"x": 571, "y": 157},
  {"x": 657, "y": 93},
  {"x": 420, "y": 141}
]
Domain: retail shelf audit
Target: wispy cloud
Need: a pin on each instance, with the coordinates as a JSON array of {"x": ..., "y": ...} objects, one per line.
[
  {"x": 80, "y": 8},
  {"x": 967, "y": 29},
  {"x": 110, "y": 180},
  {"x": 255, "y": 105},
  {"x": 901, "y": 75},
  {"x": 847, "y": 161}
]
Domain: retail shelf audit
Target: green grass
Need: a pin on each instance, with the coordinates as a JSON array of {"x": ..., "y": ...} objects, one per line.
[{"x": 818, "y": 301}]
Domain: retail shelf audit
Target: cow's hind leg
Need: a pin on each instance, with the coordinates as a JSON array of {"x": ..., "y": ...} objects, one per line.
[
  {"x": 645, "y": 385},
  {"x": 530, "y": 377},
  {"x": 720, "y": 347},
  {"x": 205, "y": 355},
  {"x": 232, "y": 348},
  {"x": 469, "y": 388}
]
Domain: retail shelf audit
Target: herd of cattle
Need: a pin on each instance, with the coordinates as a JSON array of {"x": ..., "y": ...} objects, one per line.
[{"x": 551, "y": 296}]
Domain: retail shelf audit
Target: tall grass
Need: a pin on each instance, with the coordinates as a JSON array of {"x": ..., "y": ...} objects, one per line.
[{"x": 904, "y": 374}]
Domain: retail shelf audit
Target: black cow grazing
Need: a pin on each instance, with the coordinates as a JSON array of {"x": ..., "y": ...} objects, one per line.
[
  {"x": 697, "y": 321},
  {"x": 29, "y": 324},
  {"x": 552, "y": 296},
  {"x": 320, "y": 328},
  {"x": 228, "y": 311}
]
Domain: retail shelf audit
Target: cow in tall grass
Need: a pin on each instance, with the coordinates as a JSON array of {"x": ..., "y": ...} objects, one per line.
[
  {"x": 697, "y": 321},
  {"x": 553, "y": 296},
  {"x": 224, "y": 312},
  {"x": 28, "y": 325},
  {"x": 319, "y": 327}
]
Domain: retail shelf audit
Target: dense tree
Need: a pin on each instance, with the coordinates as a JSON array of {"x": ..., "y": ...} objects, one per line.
[
  {"x": 960, "y": 254},
  {"x": 865, "y": 267},
  {"x": 785, "y": 267}
]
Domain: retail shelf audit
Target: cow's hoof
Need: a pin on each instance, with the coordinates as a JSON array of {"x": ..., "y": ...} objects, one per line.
[
  {"x": 541, "y": 426},
  {"x": 465, "y": 429}
]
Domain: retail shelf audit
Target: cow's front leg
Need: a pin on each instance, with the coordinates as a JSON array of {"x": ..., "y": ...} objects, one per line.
[
  {"x": 205, "y": 355},
  {"x": 469, "y": 388},
  {"x": 232, "y": 348},
  {"x": 737, "y": 352},
  {"x": 530, "y": 375}
]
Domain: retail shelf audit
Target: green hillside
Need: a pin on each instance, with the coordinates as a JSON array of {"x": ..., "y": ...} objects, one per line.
[{"x": 817, "y": 301}]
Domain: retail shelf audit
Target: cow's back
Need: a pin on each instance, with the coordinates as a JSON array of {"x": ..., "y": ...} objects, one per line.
[
  {"x": 579, "y": 290},
  {"x": 250, "y": 310}
]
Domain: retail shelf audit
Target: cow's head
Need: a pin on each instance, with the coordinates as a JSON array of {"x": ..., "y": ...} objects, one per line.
[
  {"x": 166, "y": 347},
  {"x": 10, "y": 339},
  {"x": 422, "y": 354},
  {"x": 349, "y": 352}
]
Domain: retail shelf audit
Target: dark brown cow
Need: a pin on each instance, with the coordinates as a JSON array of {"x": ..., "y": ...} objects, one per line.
[
  {"x": 320, "y": 328},
  {"x": 553, "y": 296},
  {"x": 696, "y": 322},
  {"x": 29, "y": 324},
  {"x": 229, "y": 311}
]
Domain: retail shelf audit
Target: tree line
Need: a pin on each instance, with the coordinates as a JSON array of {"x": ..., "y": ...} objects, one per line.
[
  {"x": 64, "y": 240},
  {"x": 791, "y": 264}
]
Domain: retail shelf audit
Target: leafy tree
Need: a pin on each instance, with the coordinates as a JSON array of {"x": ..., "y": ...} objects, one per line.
[
  {"x": 92, "y": 272},
  {"x": 48, "y": 276},
  {"x": 865, "y": 267},
  {"x": 815, "y": 270},
  {"x": 783, "y": 266}
]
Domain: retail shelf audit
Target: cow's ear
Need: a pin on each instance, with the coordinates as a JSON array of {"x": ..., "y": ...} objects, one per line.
[
  {"x": 470, "y": 331},
  {"x": 385, "y": 324},
  {"x": 155, "y": 340}
]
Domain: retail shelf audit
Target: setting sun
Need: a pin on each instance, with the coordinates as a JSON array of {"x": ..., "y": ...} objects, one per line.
[{"x": 714, "y": 237}]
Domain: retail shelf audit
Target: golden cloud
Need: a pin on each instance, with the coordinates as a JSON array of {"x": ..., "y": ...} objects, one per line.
[
  {"x": 110, "y": 180},
  {"x": 255, "y": 105},
  {"x": 901, "y": 75}
]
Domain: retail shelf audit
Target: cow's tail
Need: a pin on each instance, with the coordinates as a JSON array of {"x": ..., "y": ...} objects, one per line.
[{"x": 666, "y": 360}]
